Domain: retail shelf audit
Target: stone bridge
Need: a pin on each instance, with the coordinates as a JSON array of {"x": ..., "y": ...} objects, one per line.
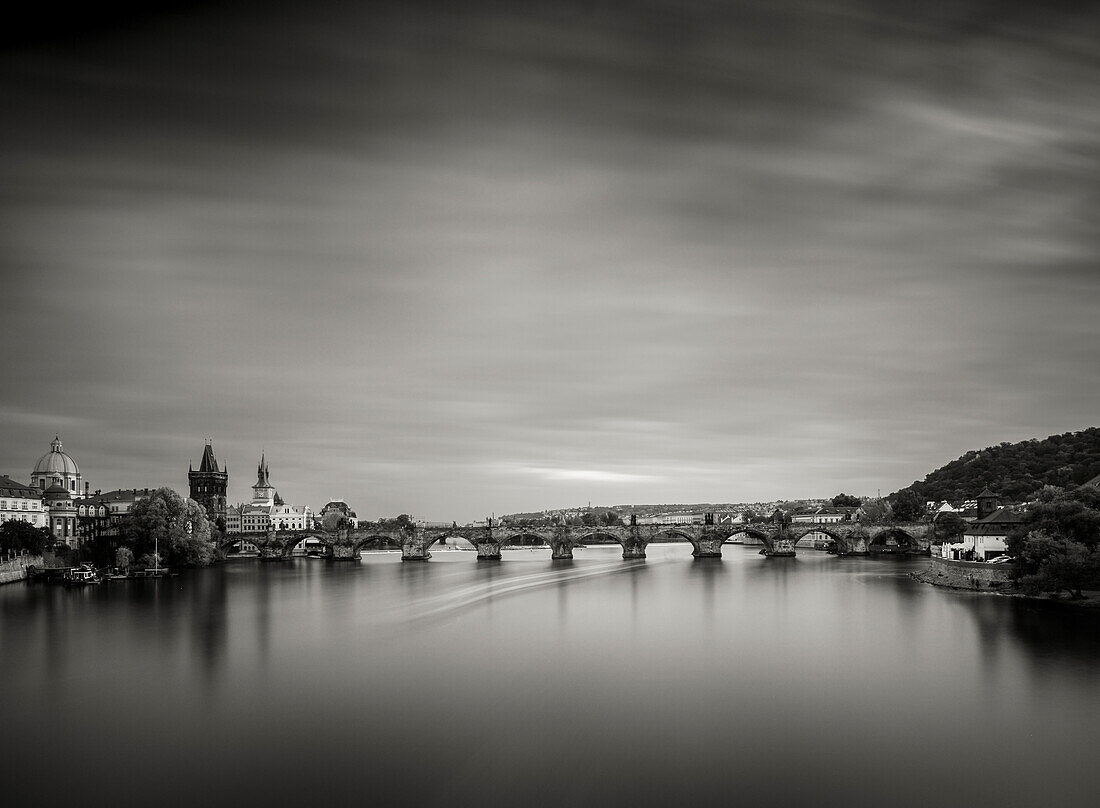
[{"x": 415, "y": 541}]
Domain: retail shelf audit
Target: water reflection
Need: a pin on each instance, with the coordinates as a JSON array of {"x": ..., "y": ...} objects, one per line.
[{"x": 814, "y": 680}]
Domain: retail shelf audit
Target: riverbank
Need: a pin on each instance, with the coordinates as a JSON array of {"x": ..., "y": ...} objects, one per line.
[
  {"x": 15, "y": 569},
  {"x": 994, "y": 579}
]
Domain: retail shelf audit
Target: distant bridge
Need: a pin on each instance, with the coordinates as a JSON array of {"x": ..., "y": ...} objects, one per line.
[{"x": 415, "y": 541}]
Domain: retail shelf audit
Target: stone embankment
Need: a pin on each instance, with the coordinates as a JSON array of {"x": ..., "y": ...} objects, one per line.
[
  {"x": 973, "y": 575},
  {"x": 15, "y": 569}
]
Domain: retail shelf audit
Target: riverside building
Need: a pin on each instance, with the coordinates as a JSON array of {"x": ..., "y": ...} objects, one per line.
[{"x": 21, "y": 503}]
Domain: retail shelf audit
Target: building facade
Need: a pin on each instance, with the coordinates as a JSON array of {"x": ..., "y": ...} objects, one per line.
[{"x": 22, "y": 503}]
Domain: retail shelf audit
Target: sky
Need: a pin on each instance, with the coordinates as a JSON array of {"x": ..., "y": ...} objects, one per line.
[{"x": 455, "y": 259}]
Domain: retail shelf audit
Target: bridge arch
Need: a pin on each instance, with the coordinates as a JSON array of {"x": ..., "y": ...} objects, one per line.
[
  {"x": 597, "y": 533},
  {"x": 835, "y": 536},
  {"x": 893, "y": 540},
  {"x": 380, "y": 541},
  {"x": 450, "y": 534},
  {"x": 525, "y": 537},
  {"x": 673, "y": 532},
  {"x": 754, "y": 532},
  {"x": 228, "y": 544},
  {"x": 289, "y": 543}
]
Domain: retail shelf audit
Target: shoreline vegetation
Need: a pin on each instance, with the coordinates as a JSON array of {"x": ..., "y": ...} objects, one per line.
[{"x": 1090, "y": 597}]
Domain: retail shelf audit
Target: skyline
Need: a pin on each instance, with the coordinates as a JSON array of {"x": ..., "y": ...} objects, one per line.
[{"x": 449, "y": 261}]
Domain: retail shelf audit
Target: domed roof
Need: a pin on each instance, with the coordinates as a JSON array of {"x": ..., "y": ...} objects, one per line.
[
  {"x": 56, "y": 461},
  {"x": 57, "y": 489}
]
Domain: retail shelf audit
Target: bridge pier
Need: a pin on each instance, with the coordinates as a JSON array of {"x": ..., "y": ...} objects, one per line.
[
  {"x": 344, "y": 552},
  {"x": 415, "y": 551},
  {"x": 634, "y": 545},
  {"x": 781, "y": 546},
  {"x": 560, "y": 550},
  {"x": 269, "y": 552},
  {"x": 488, "y": 551},
  {"x": 854, "y": 544},
  {"x": 709, "y": 545}
]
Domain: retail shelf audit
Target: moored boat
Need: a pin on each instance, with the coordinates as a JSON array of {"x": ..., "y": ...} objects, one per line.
[{"x": 83, "y": 575}]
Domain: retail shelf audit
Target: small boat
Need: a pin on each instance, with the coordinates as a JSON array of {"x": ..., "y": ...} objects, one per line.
[
  {"x": 154, "y": 572},
  {"x": 81, "y": 576}
]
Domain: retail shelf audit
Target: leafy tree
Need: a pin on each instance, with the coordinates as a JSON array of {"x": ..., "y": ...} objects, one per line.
[
  {"x": 124, "y": 558},
  {"x": 1072, "y": 515},
  {"x": 1057, "y": 564},
  {"x": 949, "y": 527},
  {"x": 876, "y": 511},
  {"x": 845, "y": 501},
  {"x": 334, "y": 521},
  {"x": 749, "y": 516},
  {"x": 178, "y": 525},
  {"x": 401, "y": 522},
  {"x": 611, "y": 519},
  {"x": 1058, "y": 544},
  {"x": 907, "y": 506},
  {"x": 588, "y": 519},
  {"x": 17, "y": 535}
]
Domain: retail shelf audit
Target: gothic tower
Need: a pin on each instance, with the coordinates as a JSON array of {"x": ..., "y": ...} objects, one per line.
[
  {"x": 262, "y": 491},
  {"x": 208, "y": 486}
]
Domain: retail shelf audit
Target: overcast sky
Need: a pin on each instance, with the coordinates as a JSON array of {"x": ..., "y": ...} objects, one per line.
[{"x": 456, "y": 259}]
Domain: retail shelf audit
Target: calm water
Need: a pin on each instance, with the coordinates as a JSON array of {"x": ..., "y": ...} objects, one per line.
[{"x": 753, "y": 681}]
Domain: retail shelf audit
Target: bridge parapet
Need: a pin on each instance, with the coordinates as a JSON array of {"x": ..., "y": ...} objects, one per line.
[{"x": 415, "y": 541}]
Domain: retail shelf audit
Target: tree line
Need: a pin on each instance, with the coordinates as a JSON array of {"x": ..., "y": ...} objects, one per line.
[{"x": 1016, "y": 471}]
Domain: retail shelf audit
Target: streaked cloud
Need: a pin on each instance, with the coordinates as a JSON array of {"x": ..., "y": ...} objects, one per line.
[{"x": 673, "y": 252}]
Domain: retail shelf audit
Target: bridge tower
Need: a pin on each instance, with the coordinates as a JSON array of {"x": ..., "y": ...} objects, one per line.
[{"x": 208, "y": 485}]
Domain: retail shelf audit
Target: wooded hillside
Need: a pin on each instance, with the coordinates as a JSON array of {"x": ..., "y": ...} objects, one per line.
[{"x": 1014, "y": 471}]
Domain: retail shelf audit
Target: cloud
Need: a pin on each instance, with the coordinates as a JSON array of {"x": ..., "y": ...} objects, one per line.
[{"x": 692, "y": 251}]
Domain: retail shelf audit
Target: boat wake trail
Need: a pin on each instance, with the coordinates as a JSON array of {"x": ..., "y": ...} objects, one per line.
[{"x": 488, "y": 590}]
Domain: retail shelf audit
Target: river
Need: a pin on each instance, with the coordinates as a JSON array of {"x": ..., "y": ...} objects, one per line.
[{"x": 752, "y": 681}]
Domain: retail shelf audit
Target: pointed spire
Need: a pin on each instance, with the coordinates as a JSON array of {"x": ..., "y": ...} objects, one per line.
[{"x": 209, "y": 462}]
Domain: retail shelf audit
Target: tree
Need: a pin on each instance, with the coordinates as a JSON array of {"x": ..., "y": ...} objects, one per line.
[
  {"x": 124, "y": 558},
  {"x": 749, "y": 516},
  {"x": 907, "y": 506},
  {"x": 876, "y": 511},
  {"x": 1058, "y": 545},
  {"x": 845, "y": 501},
  {"x": 1057, "y": 564},
  {"x": 179, "y": 526},
  {"x": 949, "y": 526},
  {"x": 611, "y": 519},
  {"x": 17, "y": 535},
  {"x": 334, "y": 521}
]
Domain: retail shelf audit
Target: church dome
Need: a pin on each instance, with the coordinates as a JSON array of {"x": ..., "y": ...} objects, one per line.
[{"x": 56, "y": 461}]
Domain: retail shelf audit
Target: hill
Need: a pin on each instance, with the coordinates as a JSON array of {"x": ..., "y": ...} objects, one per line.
[{"x": 1014, "y": 471}]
